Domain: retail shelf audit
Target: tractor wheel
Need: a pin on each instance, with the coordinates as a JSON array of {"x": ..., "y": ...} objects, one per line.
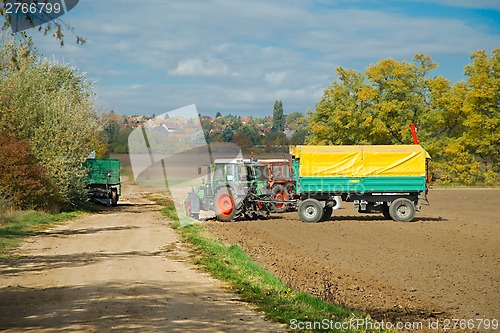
[
  {"x": 279, "y": 194},
  {"x": 224, "y": 205},
  {"x": 310, "y": 210},
  {"x": 189, "y": 213},
  {"x": 402, "y": 210},
  {"x": 114, "y": 197}
]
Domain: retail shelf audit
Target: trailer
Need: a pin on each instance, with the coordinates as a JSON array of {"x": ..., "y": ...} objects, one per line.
[
  {"x": 377, "y": 179},
  {"x": 103, "y": 180}
]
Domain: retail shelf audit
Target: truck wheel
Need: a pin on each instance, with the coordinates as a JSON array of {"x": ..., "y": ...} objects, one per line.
[
  {"x": 279, "y": 194},
  {"x": 114, "y": 197},
  {"x": 310, "y": 210},
  {"x": 224, "y": 205},
  {"x": 327, "y": 213},
  {"x": 402, "y": 210},
  {"x": 385, "y": 211}
]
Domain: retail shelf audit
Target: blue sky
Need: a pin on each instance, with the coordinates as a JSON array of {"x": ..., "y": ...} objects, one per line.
[{"x": 238, "y": 57}]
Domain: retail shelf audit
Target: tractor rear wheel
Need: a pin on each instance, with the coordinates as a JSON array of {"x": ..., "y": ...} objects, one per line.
[{"x": 225, "y": 205}]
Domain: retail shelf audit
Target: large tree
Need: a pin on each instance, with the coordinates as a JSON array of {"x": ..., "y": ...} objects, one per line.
[
  {"x": 458, "y": 124},
  {"x": 50, "y": 106},
  {"x": 278, "y": 117}
]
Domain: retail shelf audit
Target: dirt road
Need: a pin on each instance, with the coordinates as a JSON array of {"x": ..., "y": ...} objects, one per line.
[
  {"x": 123, "y": 270},
  {"x": 446, "y": 263}
]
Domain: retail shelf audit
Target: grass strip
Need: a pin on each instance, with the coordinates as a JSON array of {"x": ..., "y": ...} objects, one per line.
[
  {"x": 301, "y": 311},
  {"x": 17, "y": 225}
]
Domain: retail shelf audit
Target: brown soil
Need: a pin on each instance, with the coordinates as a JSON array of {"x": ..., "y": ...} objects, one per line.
[{"x": 444, "y": 264}]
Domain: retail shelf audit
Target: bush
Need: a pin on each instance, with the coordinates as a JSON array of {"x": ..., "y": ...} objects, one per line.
[{"x": 23, "y": 182}]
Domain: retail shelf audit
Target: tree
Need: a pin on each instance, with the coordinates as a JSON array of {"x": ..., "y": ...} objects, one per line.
[
  {"x": 458, "y": 124},
  {"x": 278, "y": 117},
  {"x": 342, "y": 116},
  {"x": 243, "y": 140},
  {"x": 227, "y": 134},
  {"x": 50, "y": 106},
  {"x": 299, "y": 137},
  {"x": 23, "y": 182},
  {"x": 482, "y": 108},
  {"x": 293, "y": 118}
]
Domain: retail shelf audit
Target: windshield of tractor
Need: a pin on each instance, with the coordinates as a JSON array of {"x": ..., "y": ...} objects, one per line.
[
  {"x": 218, "y": 174},
  {"x": 243, "y": 173},
  {"x": 262, "y": 173}
]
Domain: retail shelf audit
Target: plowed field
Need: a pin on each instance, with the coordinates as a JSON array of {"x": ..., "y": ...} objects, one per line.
[{"x": 444, "y": 264}]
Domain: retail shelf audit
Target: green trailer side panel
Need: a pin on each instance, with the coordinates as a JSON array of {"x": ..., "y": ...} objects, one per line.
[
  {"x": 361, "y": 185},
  {"x": 103, "y": 171}
]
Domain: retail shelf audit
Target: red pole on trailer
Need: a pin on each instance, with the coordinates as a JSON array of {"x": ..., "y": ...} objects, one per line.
[{"x": 414, "y": 133}]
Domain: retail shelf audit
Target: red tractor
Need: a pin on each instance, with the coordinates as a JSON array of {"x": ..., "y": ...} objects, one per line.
[{"x": 281, "y": 182}]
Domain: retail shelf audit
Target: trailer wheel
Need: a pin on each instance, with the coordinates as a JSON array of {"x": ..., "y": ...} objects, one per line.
[
  {"x": 385, "y": 211},
  {"x": 402, "y": 210},
  {"x": 224, "y": 205},
  {"x": 280, "y": 194},
  {"x": 310, "y": 210},
  {"x": 327, "y": 213},
  {"x": 114, "y": 197}
]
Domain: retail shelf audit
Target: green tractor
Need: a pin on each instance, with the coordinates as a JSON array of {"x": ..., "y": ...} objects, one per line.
[{"x": 235, "y": 189}]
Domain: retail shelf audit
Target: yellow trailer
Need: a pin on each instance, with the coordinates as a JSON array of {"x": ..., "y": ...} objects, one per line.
[{"x": 385, "y": 179}]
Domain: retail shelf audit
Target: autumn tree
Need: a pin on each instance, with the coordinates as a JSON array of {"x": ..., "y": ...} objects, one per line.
[
  {"x": 24, "y": 183},
  {"x": 457, "y": 124},
  {"x": 50, "y": 106}
]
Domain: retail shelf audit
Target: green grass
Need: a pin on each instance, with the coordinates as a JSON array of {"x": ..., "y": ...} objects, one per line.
[
  {"x": 16, "y": 225},
  {"x": 254, "y": 283}
]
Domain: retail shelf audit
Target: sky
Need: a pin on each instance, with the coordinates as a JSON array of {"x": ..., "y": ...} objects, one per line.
[{"x": 238, "y": 57}]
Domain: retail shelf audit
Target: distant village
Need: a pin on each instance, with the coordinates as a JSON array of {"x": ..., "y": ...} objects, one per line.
[{"x": 267, "y": 133}]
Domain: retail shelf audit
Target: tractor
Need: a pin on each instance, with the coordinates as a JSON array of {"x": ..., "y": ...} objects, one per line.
[
  {"x": 235, "y": 189},
  {"x": 281, "y": 183}
]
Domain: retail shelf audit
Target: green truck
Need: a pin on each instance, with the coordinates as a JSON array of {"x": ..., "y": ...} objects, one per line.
[
  {"x": 377, "y": 179},
  {"x": 103, "y": 180}
]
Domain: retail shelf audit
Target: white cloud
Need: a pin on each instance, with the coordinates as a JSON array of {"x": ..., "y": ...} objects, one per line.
[
  {"x": 241, "y": 56},
  {"x": 199, "y": 67},
  {"x": 275, "y": 78}
]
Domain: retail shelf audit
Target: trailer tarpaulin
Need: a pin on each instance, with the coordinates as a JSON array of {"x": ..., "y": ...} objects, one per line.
[{"x": 361, "y": 161}]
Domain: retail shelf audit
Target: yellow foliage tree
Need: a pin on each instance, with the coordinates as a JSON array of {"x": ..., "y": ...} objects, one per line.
[{"x": 458, "y": 124}]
